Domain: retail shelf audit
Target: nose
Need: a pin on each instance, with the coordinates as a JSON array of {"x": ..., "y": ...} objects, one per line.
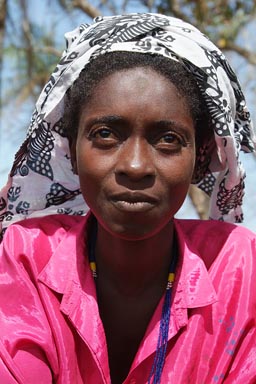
[{"x": 135, "y": 160}]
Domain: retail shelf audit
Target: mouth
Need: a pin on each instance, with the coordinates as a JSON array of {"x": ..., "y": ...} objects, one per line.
[{"x": 133, "y": 202}]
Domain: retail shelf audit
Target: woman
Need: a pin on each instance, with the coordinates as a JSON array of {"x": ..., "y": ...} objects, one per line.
[{"x": 138, "y": 108}]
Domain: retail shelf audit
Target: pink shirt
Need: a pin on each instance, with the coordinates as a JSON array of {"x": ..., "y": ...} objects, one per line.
[{"x": 50, "y": 328}]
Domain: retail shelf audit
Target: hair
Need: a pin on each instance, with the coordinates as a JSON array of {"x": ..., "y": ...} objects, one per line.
[{"x": 104, "y": 65}]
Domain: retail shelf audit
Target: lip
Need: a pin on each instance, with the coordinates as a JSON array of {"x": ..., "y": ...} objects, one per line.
[{"x": 133, "y": 201}]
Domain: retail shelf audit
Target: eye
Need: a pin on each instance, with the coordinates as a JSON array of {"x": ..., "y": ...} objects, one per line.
[
  {"x": 103, "y": 137},
  {"x": 169, "y": 138},
  {"x": 170, "y": 142},
  {"x": 103, "y": 133}
]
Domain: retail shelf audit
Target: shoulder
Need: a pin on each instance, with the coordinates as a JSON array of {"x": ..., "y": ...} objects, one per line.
[
  {"x": 43, "y": 226},
  {"x": 214, "y": 229},
  {"x": 228, "y": 252},
  {"x": 35, "y": 240},
  {"x": 212, "y": 239},
  {"x": 46, "y": 223}
]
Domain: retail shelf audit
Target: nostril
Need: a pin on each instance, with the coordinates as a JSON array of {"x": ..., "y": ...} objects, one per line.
[
  {"x": 135, "y": 173},
  {"x": 132, "y": 183}
]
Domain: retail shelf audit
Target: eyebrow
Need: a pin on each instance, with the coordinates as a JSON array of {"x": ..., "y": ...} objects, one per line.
[
  {"x": 106, "y": 119},
  {"x": 167, "y": 124},
  {"x": 156, "y": 125}
]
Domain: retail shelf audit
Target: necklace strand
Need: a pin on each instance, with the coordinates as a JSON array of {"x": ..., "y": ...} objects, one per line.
[{"x": 159, "y": 359}]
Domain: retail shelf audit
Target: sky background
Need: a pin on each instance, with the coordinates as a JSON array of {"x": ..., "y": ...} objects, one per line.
[{"x": 14, "y": 118}]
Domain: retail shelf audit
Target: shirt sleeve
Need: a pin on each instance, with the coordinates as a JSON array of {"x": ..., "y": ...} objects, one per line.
[
  {"x": 26, "y": 343},
  {"x": 240, "y": 277}
]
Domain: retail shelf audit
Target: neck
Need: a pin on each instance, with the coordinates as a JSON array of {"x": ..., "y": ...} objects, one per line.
[{"x": 131, "y": 267}]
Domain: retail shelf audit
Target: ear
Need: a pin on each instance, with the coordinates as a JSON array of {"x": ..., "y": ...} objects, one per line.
[{"x": 72, "y": 147}]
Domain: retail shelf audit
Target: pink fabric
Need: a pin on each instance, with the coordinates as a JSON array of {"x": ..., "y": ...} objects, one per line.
[{"x": 50, "y": 325}]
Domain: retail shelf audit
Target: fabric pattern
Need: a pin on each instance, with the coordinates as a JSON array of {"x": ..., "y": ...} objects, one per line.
[{"x": 42, "y": 182}]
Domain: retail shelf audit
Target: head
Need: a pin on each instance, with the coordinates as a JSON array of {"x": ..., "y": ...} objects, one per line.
[
  {"x": 43, "y": 159},
  {"x": 138, "y": 155}
]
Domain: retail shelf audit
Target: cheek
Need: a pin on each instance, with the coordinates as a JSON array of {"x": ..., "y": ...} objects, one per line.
[
  {"x": 93, "y": 170},
  {"x": 178, "y": 171},
  {"x": 90, "y": 184},
  {"x": 175, "y": 180}
]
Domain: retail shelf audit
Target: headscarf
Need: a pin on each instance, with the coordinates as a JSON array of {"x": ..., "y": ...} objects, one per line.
[{"x": 42, "y": 182}]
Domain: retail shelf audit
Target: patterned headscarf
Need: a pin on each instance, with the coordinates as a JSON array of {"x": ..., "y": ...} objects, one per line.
[{"x": 42, "y": 182}]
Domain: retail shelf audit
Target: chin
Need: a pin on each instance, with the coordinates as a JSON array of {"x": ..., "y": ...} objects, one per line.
[{"x": 133, "y": 232}]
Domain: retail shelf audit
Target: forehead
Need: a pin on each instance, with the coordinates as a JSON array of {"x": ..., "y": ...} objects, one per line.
[
  {"x": 139, "y": 97},
  {"x": 137, "y": 84},
  {"x": 143, "y": 75}
]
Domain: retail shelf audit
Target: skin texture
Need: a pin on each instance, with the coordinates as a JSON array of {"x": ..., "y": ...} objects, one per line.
[
  {"x": 135, "y": 152},
  {"x": 135, "y": 155}
]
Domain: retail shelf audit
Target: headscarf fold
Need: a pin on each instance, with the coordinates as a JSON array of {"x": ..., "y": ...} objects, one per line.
[{"x": 42, "y": 182}]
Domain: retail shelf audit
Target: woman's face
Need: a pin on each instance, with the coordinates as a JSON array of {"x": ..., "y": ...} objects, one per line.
[{"x": 135, "y": 152}]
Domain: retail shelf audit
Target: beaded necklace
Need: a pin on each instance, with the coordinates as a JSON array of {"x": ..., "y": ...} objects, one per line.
[{"x": 158, "y": 363}]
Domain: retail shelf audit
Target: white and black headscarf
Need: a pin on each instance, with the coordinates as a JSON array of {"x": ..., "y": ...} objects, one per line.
[{"x": 42, "y": 182}]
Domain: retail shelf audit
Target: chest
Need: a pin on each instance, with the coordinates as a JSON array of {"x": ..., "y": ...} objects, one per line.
[
  {"x": 200, "y": 349},
  {"x": 125, "y": 321}
]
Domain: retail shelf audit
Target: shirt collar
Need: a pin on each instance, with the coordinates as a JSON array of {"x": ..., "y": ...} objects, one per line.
[
  {"x": 67, "y": 261},
  {"x": 194, "y": 284},
  {"x": 192, "y": 275}
]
